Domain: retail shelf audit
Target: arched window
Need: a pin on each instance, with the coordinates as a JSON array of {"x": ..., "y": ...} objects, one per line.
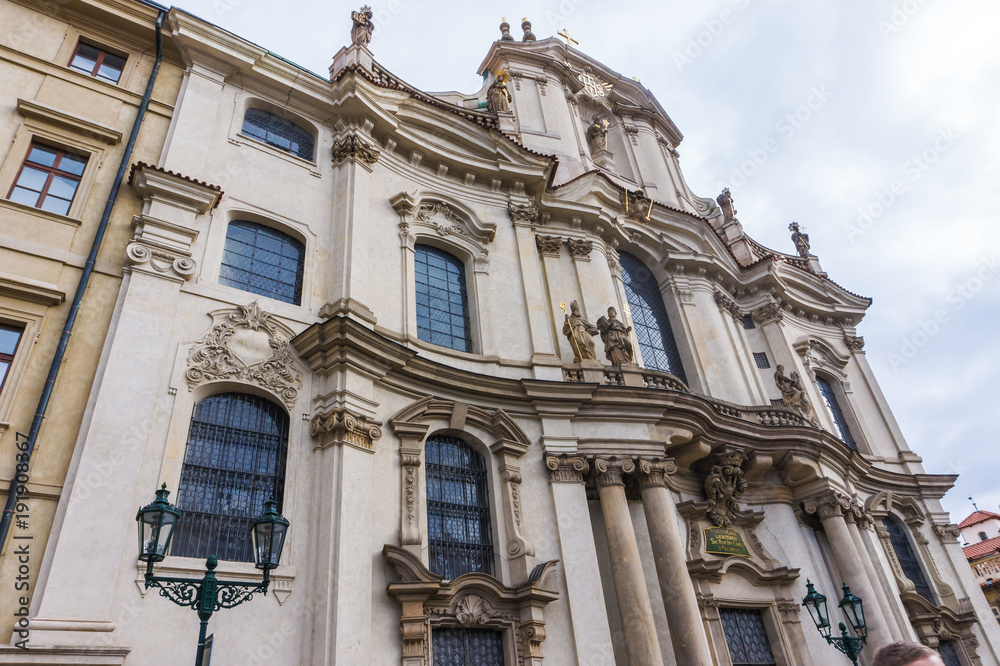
[
  {"x": 982, "y": 536},
  {"x": 235, "y": 461},
  {"x": 836, "y": 413},
  {"x": 460, "y": 536},
  {"x": 907, "y": 558},
  {"x": 278, "y": 132},
  {"x": 442, "y": 300},
  {"x": 263, "y": 261},
  {"x": 649, "y": 318},
  {"x": 948, "y": 653}
]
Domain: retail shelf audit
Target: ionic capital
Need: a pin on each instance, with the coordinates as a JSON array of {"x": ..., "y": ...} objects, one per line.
[
  {"x": 828, "y": 505},
  {"x": 566, "y": 469},
  {"x": 653, "y": 473},
  {"x": 609, "y": 471},
  {"x": 339, "y": 426}
]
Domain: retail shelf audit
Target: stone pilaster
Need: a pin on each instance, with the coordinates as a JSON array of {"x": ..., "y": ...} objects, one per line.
[
  {"x": 687, "y": 631},
  {"x": 411, "y": 438},
  {"x": 641, "y": 641}
]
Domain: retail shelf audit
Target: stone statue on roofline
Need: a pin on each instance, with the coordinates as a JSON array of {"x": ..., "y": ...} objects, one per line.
[
  {"x": 580, "y": 333},
  {"x": 615, "y": 335},
  {"x": 725, "y": 201},
  {"x": 361, "y": 32},
  {"x": 794, "y": 394},
  {"x": 498, "y": 97},
  {"x": 800, "y": 239}
]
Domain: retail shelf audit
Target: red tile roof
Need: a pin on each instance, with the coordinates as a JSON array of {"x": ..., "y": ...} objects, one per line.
[
  {"x": 978, "y": 517},
  {"x": 979, "y": 550}
]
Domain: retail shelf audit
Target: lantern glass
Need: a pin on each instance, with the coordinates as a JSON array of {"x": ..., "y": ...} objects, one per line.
[
  {"x": 269, "y": 532},
  {"x": 853, "y": 607},
  {"x": 156, "y": 522},
  {"x": 816, "y": 605}
]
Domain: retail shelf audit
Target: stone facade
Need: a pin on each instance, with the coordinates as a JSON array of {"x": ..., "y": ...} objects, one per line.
[{"x": 630, "y": 510}]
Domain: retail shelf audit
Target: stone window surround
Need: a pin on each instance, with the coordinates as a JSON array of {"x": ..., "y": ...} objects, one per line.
[
  {"x": 500, "y": 441},
  {"x": 821, "y": 359},
  {"x": 123, "y": 45},
  {"x": 774, "y": 612},
  {"x": 14, "y": 312},
  {"x": 247, "y": 100}
]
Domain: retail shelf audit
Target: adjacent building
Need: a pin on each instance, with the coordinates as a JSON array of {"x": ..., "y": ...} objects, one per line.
[
  {"x": 981, "y": 533},
  {"x": 522, "y": 394}
]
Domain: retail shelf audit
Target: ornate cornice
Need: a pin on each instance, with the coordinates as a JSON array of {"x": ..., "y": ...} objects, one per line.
[{"x": 340, "y": 426}]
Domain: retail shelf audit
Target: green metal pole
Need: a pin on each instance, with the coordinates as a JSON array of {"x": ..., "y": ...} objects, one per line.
[
  {"x": 202, "y": 637},
  {"x": 206, "y": 604}
]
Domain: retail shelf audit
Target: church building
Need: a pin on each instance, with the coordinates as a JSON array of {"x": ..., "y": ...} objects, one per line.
[{"x": 520, "y": 394}]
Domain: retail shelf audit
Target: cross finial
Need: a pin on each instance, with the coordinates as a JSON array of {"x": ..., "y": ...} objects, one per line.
[
  {"x": 569, "y": 40},
  {"x": 973, "y": 503}
]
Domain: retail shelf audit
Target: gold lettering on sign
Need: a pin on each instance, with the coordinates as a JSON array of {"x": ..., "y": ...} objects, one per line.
[{"x": 725, "y": 541}]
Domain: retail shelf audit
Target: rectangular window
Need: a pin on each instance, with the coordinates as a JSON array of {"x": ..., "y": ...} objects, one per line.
[
  {"x": 10, "y": 336},
  {"x": 748, "y": 322},
  {"x": 746, "y": 637},
  {"x": 760, "y": 358},
  {"x": 778, "y": 402},
  {"x": 97, "y": 62},
  {"x": 48, "y": 179},
  {"x": 459, "y": 647}
]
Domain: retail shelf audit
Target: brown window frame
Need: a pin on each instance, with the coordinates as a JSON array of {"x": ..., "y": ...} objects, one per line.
[
  {"x": 52, "y": 171},
  {"x": 9, "y": 358},
  {"x": 102, "y": 52}
]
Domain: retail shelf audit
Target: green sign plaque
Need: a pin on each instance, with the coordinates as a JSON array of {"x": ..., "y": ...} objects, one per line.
[{"x": 725, "y": 541}]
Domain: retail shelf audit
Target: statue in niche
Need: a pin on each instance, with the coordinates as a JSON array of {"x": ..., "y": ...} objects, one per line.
[
  {"x": 723, "y": 486},
  {"x": 580, "y": 333},
  {"x": 800, "y": 239},
  {"x": 597, "y": 134},
  {"x": 361, "y": 33},
  {"x": 498, "y": 97},
  {"x": 616, "y": 339},
  {"x": 505, "y": 35},
  {"x": 794, "y": 394}
]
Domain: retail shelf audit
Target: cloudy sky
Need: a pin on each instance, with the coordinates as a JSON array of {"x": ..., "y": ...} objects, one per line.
[{"x": 872, "y": 124}]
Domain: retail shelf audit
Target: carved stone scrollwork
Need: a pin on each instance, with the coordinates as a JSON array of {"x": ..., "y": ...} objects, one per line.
[
  {"x": 724, "y": 486},
  {"x": 523, "y": 213},
  {"x": 170, "y": 264},
  {"x": 548, "y": 245},
  {"x": 246, "y": 345},
  {"x": 442, "y": 218},
  {"x": 566, "y": 469},
  {"x": 947, "y": 532},
  {"x": 767, "y": 314},
  {"x": 517, "y": 545},
  {"x": 727, "y": 304},
  {"x": 353, "y": 147},
  {"x": 854, "y": 344},
  {"x": 339, "y": 426},
  {"x": 580, "y": 249}
]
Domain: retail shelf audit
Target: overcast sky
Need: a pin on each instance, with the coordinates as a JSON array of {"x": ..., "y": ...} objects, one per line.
[{"x": 873, "y": 124}]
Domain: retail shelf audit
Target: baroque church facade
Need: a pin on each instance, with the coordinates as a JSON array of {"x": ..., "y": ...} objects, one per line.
[{"x": 521, "y": 393}]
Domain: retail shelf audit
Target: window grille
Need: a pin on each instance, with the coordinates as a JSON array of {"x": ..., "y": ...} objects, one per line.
[
  {"x": 467, "y": 647},
  {"x": 235, "y": 461},
  {"x": 278, "y": 132},
  {"x": 746, "y": 637},
  {"x": 263, "y": 261},
  {"x": 10, "y": 336},
  {"x": 778, "y": 402},
  {"x": 760, "y": 358},
  {"x": 748, "y": 322},
  {"x": 442, "y": 300},
  {"x": 458, "y": 511},
  {"x": 907, "y": 558},
  {"x": 836, "y": 412},
  {"x": 649, "y": 318},
  {"x": 97, "y": 62},
  {"x": 48, "y": 179},
  {"x": 948, "y": 654}
]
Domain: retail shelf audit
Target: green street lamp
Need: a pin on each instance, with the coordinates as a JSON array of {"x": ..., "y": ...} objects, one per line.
[
  {"x": 157, "y": 522},
  {"x": 853, "y": 608}
]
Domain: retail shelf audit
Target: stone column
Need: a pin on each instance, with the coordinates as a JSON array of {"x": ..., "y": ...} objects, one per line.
[
  {"x": 871, "y": 566},
  {"x": 641, "y": 642},
  {"x": 687, "y": 631},
  {"x": 591, "y": 633},
  {"x": 850, "y": 562}
]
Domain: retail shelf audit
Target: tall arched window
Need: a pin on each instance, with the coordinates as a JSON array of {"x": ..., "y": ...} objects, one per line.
[
  {"x": 263, "y": 261},
  {"x": 649, "y": 318},
  {"x": 460, "y": 536},
  {"x": 235, "y": 461},
  {"x": 442, "y": 299},
  {"x": 907, "y": 558},
  {"x": 836, "y": 413},
  {"x": 278, "y": 132}
]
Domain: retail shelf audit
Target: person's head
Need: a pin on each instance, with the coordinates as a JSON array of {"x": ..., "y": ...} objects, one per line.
[{"x": 905, "y": 653}]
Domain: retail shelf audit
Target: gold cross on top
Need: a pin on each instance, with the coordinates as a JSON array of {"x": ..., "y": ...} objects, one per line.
[{"x": 569, "y": 40}]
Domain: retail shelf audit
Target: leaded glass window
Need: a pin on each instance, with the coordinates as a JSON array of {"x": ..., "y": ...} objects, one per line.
[
  {"x": 746, "y": 637},
  {"x": 235, "y": 461},
  {"x": 907, "y": 558},
  {"x": 278, "y": 132},
  {"x": 467, "y": 647},
  {"x": 458, "y": 511},
  {"x": 830, "y": 398},
  {"x": 442, "y": 299},
  {"x": 649, "y": 318},
  {"x": 948, "y": 654},
  {"x": 263, "y": 261}
]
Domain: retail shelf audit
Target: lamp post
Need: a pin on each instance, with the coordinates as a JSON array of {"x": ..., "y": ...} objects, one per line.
[
  {"x": 853, "y": 608},
  {"x": 157, "y": 521}
]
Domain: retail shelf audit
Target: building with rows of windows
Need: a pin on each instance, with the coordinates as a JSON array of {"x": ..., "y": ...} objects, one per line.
[{"x": 521, "y": 393}]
